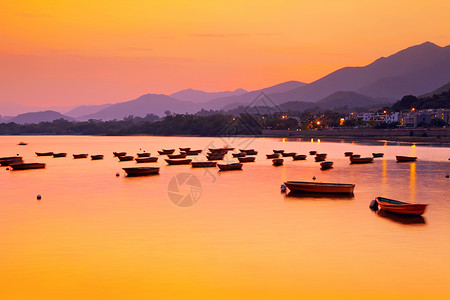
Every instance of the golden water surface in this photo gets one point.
(97, 236)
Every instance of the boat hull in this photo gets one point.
(204, 164)
(178, 161)
(405, 158)
(141, 171)
(316, 187)
(97, 157)
(80, 155)
(277, 161)
(402, 208)
(141, 160)
(44, 153)
(230, 167)
(27, 166)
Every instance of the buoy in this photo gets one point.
(117, 174)
(7, 168)
(446, 176)
(373, 205)
(314, 177)
(283, 188)
(38, 197)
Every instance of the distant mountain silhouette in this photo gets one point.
(41, 116)
(83, 110)
(350, 99)
(197, 96)
(444, 88)
(13, 109)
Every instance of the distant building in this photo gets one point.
(423, 117)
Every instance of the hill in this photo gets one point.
(197, 96)
(41, 116)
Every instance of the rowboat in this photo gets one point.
(228, 148)
(126, 158)
(277, 161)
(321, 154)
(288, 154)
(141, 171)
(117, 154)
(44, 153)
(140, 160)
(166, 151)
(274, 155)
(320, 158)
(246, 159)
(299, 157)
(230, 167)
(97, 157)
(172, 156)
(377, 154)
(84, 155)
(400, 207)
(143, 154)
(193, 152)
(203, 164)
(312, 152)
(185, 149)
(22, 144)
(59, 154)
(11, 160)
(405, 158)
(326, 165)
(348, 153)
(355, 155)
(27, 166)
(251, 152)
(240, 154)
(278, 151)
(361, 160)
(178, 161)
(319, 187)
(215, 157)
(216, 153)
(222, 150)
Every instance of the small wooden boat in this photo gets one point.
(59, 154)
(228, 148)
(166, 151)
(348, 153)
(251, 152)
(141, 171)
(185, 149)
(400, 207)
(215, 157)
(22, 144)
(240, 154)
(172, 156)
(355, 155)
(246, 159)
(117, 154)
(377, 154)
(10, 157)
(27, 166)
(193, 152)
(84, 155)
(321, 154)
(299, 157)
(125, 158)
(289, 154)
(141, 160)
(274, 155)
(97, 156)
(216, 153)
(312, 152)
(361, 160)
(11, 160)
(278, 151)
(319, 187)
(143, 154)
(277, 161)
(203, 164)
(230, 167)
(44, 153)
(320, 158)
(326, 165)
(405, 158)
(178, 161)
(222, 150)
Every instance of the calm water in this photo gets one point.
(97, 236)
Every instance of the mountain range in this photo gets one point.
(415, 70)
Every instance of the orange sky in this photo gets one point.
(93, 52)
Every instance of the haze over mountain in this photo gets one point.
(13, 109)
(83, 110)
(444, 88)
(41, 116)
(197, 96)
(349, 99)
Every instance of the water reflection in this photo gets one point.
(292, 195)
(412, 182)
(406, 220)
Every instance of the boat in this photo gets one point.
(377, 154)
(172, 156)
(117, 154)
(203, 164)
(399, 207)
(97, 156)
(361, 160)
(246, 159)
(355, 155)
(141, 171)
(84, 155)
(27, 166)
(215, 157)
(299, 157)
(273, 155)
(405, 158)
(125, 158)
(278, 151)
(185, 149)
(251, 152)
(228, 148)
(230, 167)
(326, 165)
(193, 152)
(22, 144)
(221, 150)
(288, 154)
(143, 154)
(348, 153)
(319, 158)
(178, 161)
(59, 154)
(312, 152)
(11, 160)
(10, 157)
(216, 153)
(166, 151)
(320, 187)
(277, 161)
(44, 153)
(140, 160)
(240, 154)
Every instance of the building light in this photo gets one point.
(318, 122)
(413, 109)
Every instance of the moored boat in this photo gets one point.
(166, 151)
(273, 155)
(178, 161)
(277, 161)
(215, 157)
(319, 187)
(378, 154)
(348, 153)
(5, 161)
(288, 154)
(299, 157)
(117, 154)
(320, 158)
(22, 144)
(44, 153)
(230, 167)
(59, 154)
(326, 165)
(140, 160)
(27, 166)
(185, 149)
(240, 154)
(246, 159)
(360, 160)
(203, 164)
(399, 207)
(278, 151)
(83, 155)
(143, 154)
(97, 156)
(193, 152)
(405, 158)
(312, 152)
(355, 155)
(125, 158)
(172, 156)
(141, 171)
